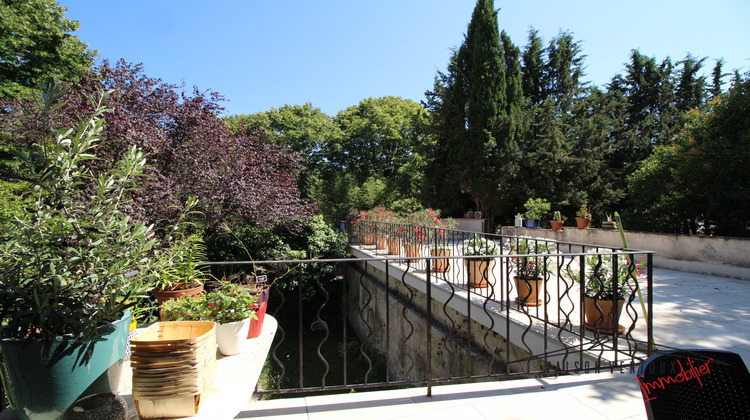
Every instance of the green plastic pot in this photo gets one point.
(38, 391)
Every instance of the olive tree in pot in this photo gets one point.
(70, 267)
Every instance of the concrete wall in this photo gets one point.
(718, 256)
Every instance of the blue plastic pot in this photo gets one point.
(36, 390)
(532, 223)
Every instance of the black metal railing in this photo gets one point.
(414, 311)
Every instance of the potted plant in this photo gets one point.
(535, 209)
(557, 221)
(363, 228)
(381, 221)
(583, 217)
(71, 265)
(531, 271)
(438, 242)
(414, 232)
(182, 269)
(478, 269)
(609, 224)
(602, 304)
(230, 306)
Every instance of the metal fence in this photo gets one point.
(397, 301)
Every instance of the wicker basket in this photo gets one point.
(174, 365)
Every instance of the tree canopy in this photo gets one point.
(37, 42)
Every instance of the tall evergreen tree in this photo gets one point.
(533, 69)
(691, 88)
(716, 76)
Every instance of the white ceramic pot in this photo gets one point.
(232, 336)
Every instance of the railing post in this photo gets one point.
(650, 317)
(429, 330)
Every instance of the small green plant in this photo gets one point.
(609, 217)
(584, 212)
(533, 267)
(479, 246)
(228, 303)
(599, 275)
(557, 217)
(536, 208)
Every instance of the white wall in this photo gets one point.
(719, 256)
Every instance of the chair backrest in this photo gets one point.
(695, 384)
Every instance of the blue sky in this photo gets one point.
(334, 53)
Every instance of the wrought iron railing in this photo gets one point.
(407, 308)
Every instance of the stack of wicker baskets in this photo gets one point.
(174, 364)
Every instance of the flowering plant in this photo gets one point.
(532, 267)
(479, 246)
(362, 225)
(600, 276)
(424, 225)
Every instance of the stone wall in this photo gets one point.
(461, 345)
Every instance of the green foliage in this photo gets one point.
(584, 212)
(537, 267)
(536, 208)
(37, 42)
(228, 303)
(181, 260)
(702, 175)
(600, 276)
(72, 261)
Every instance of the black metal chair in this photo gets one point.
(695, 384)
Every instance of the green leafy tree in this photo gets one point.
(37, 42)
(303, 128)
(702, 175)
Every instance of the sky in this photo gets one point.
(334, 53)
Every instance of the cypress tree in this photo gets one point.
(533, 69)
(716, 76)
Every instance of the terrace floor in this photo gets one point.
(690, 311)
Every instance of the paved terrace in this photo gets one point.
(690, 311)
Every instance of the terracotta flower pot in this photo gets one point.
(443, 264)
(556, 224)
(478, 271)
(394, 246)
(582, 222)
(603, 318)
(165, 295)
(413, 250)
(528, 291)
